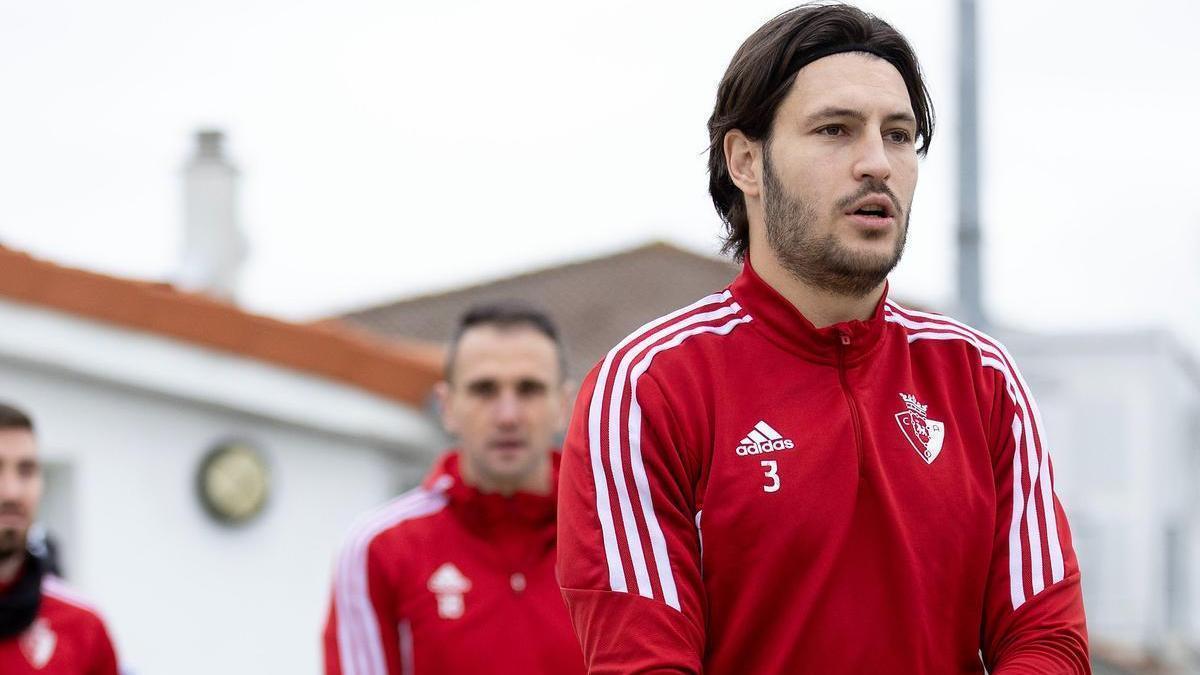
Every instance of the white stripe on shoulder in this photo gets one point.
(612, 549)
(58, 589)
(658, 543)
(615, 446)
(360, 645)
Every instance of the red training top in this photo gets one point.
(742, 492)
(67, 638)
(446, 579)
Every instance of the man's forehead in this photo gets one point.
(850, 81)
(17, 444)
(508, 351)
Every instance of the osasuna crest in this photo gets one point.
(924, 434)
(449, 585)
(38, 643)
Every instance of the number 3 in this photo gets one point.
(772, 468)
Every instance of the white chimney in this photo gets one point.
(213, 244)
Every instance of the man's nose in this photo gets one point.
(10, 485)
(507, 410)
(872, 160)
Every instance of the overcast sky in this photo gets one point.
(390, 148)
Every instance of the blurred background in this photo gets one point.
(234, 236)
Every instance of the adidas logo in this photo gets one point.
(762, 438)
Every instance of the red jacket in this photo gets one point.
(67, 638)
(744, 493)
(449, 580)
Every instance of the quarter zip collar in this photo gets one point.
(488, 512)
(847, 342)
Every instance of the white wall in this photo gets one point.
(183, 594)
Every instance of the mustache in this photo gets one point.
(872, 186)
(12, 509)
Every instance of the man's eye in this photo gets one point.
(531, 388)
(899, 136)
(832, 130)
(482, 389)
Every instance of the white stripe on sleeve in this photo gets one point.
(359, 641)
(612, 551)
(1032, 435)
(658, 543)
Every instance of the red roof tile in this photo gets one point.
(402, 370)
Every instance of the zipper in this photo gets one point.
(844, 340)
(518, 567)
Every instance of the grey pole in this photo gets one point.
(970, 291)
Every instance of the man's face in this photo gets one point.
(505, 403)
(20, 489)
(839, 172)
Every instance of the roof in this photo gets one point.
(595, 302)
(400, 370)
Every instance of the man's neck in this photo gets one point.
(538, 482)
(821, 307)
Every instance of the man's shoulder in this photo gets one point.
(946, 345)
(65, 606)
(677, 338)
(401, 518)
(941, 331)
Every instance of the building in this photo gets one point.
(133, 386)
(595, 302)
(1122, 413)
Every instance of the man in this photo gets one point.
(44, 627)
(798, 475)
(457, 576)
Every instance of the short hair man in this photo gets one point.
(44, 626)
(457, 576)
(798, 474)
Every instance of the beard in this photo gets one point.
(12, 543)
(821, 261)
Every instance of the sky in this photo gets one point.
(390, 149)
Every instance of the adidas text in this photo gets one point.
(765, 446)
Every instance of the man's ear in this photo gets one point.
(743, 157)
(445, 405)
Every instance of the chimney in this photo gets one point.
(214, 247)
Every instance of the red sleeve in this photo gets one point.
(361, 633)
(106, 655)
(628, 550)
(1034, 621)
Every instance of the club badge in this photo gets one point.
(38, 643)
(925, 435)
(449, 585)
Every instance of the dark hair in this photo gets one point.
(762, 72)
(506, 314)
(12, 417)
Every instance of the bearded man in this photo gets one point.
(798, 474)
(45, 627)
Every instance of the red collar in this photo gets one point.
(489, 510)
(781, 323)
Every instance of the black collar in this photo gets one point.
(19, 603)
